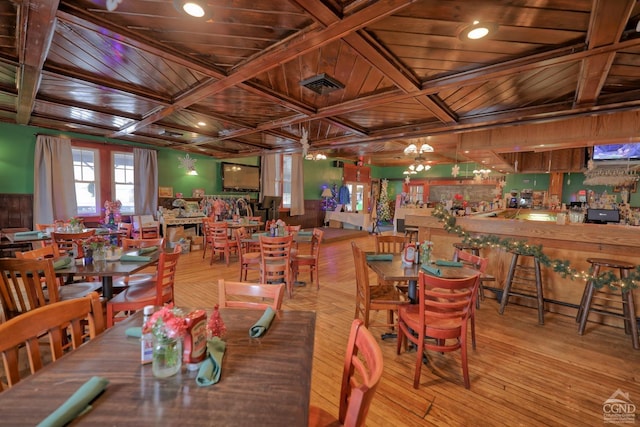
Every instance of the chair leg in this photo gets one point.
(463, 358)
(419, 356)
(473, 330)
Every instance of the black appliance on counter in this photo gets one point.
(603, 216)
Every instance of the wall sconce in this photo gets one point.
(188, 163)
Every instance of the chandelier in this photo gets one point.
(419, 163)
(316, 156)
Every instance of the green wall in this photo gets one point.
(17, 146)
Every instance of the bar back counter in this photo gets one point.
(571, 242)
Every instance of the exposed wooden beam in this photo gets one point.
(37, 21)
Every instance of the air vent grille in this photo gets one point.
(322, 84)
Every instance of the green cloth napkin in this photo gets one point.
(445, 263)
(380, 257)
(76, 404)
(61, 263)
(134, 258)
(35, 233)
(432, 270)
(211, 367)
(261, 326)
(134, 332)
(305, 233)
(147, 250)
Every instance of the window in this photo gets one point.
(286, 180)
(123, 181)
(85, 175)
(416, 193)
(283, 179)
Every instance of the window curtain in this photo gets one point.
(145, 166)
(54, 196)
(297, 185)
(269, 171)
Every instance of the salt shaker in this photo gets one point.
(146, 340)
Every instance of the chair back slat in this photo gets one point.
(249, 295)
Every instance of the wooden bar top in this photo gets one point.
(264, 381)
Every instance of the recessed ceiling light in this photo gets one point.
(202, 124)
(477, 30)
(195, 8)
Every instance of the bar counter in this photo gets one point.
(571, 242)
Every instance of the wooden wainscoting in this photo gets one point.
(16, 211)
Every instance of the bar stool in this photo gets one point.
(602, 297)
(522, 275)
(412, 233)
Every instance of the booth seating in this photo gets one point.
(606, 301)
(528, 283)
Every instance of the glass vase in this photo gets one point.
(167, 356)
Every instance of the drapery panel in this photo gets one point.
(297, 185)
(54, 196)
(268, 170)
(145, 166)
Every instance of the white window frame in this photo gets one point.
(82, 180)
(129, 174)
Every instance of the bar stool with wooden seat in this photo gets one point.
(528, 281)
(600, 300)
(411, 233)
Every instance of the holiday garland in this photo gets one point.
(562, 267)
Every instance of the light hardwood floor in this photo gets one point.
(521, 373)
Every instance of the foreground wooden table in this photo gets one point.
(264, 381)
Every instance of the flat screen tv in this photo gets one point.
(629, 151)
(237, 177)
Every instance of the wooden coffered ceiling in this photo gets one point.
(556, 74)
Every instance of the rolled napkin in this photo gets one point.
(61, 263)
(34, 233)
(134, 332)
(380, 257)
(76, 404)
(147, 250)
(445, 263)
(261, 326)
(211, 367)
(134, 258)
(432, 270)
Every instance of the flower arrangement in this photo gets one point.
(97, 242)
(179, 203)
(75, 221)
(168, 323)
(112, 207)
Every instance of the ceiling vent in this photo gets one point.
(170, 134)
(322, 84)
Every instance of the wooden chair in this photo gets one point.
(125, 230)
(361, 373)
(59, 320)
(479, 264)
(158, 292)
(65, 291)
(249, 253)
(139, 278)
(145, 227)
(308, 261)
(275, 261)
(71, 243)
(21, 285)
(392, 244)
(442, 314)
(221, 243)
(373, 298)
(249, 295)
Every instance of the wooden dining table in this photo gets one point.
(107, 270)
(264, 381)
(396, 270)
